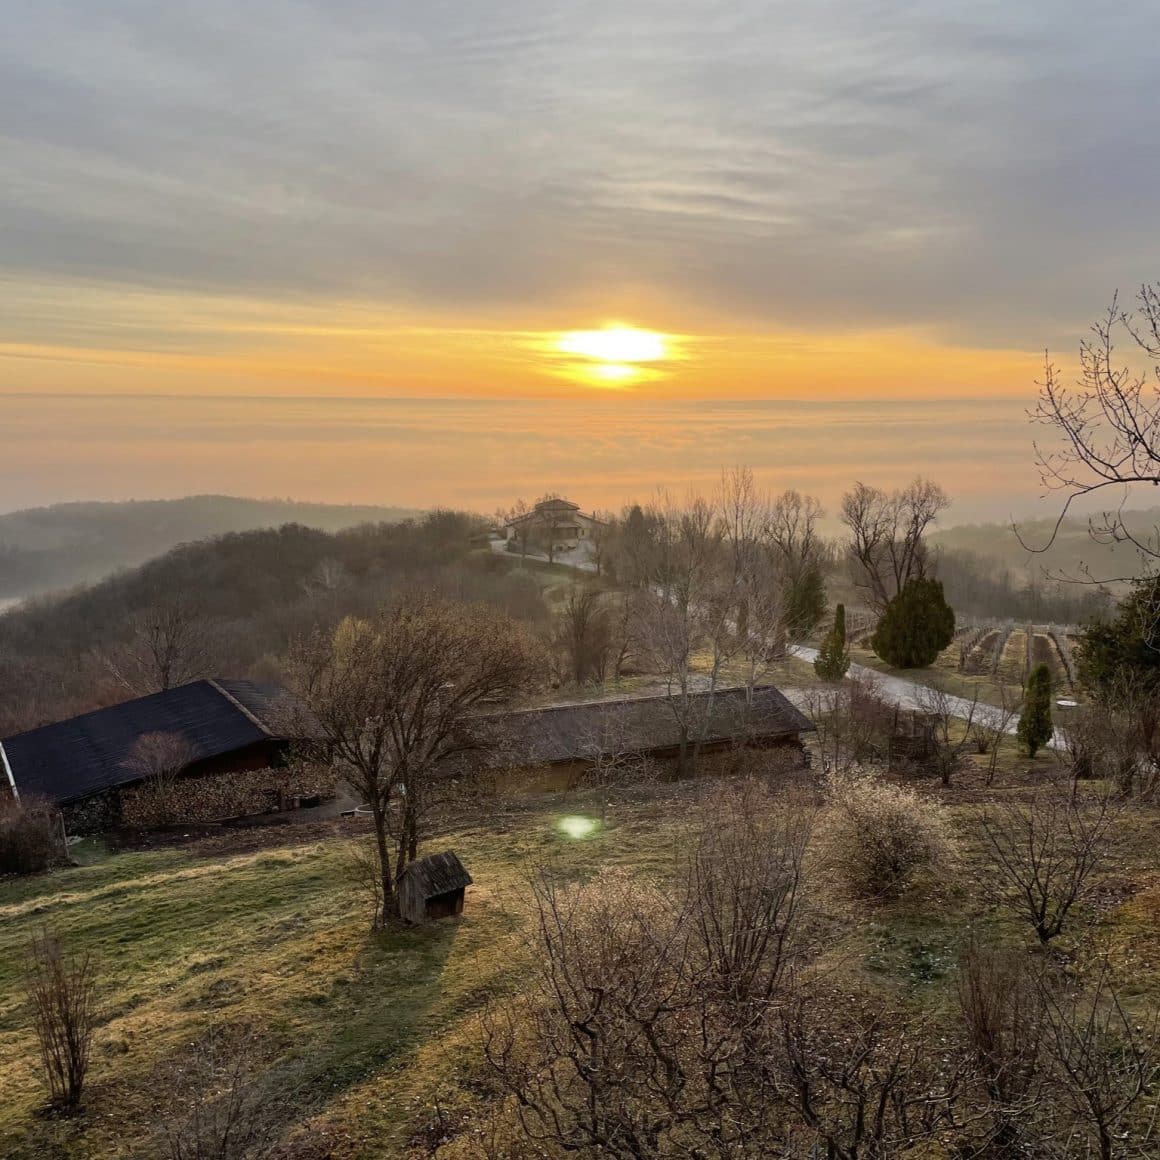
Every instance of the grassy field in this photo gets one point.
(372, 1040)
(361, 1028)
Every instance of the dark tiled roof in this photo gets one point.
(437, 874)
(82, 756)
(645, 724)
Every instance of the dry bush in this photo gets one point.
(876, 835)
(1002, 1011)
(1045, 854)
(30, 835)
(854, 724)
(222, 1114)
(1113, 738)
(360, 867)
(61, 990)
(650, 1014)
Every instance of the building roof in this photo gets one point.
(552, 509)
(434, 875)
(84, 755)
(641, 724)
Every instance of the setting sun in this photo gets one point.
(614, 356)
(615, 344)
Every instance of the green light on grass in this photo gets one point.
(575, 826)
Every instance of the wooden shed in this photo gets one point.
(432, 888)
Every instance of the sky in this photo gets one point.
(844, 199)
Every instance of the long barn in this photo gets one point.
(233, 736)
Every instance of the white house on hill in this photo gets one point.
(555, 525)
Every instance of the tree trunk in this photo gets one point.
(390, 907)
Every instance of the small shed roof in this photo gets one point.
(435, 875)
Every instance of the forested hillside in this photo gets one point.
(1073, 552)
(231, 606)
(48, 548)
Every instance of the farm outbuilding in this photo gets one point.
(232, 739)
(432, 888)
(563, 741)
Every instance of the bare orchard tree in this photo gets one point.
(395, 700)
(222, 1111)
(854, 724)
(991, 726)
(951, 729)
(862, 1079)
(158, 758)
(170, 643)
(1045, 854)
(888, 536)
(1104, 1069)
(1107, 425)
(610, 755)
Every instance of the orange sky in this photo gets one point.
(170, 343)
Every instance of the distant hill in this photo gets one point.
(48, 548)
(1072, 551)
(238, 600)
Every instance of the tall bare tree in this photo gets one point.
(168, 644)
(888, 535)
(1108, 423)
(395, 700)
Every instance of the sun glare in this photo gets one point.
(615, 356)
(614, 344)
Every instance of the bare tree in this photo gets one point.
(1045, 854)
(747, 891)
(600, 537)
(1108, 423)
(610, 756)
(61, 990)
(396, 700)
(687, 616)
(223, 1113)
(159, 758)
(862, 1079)
(888, 535)
(171, 643)
(951, 731)
(854, 724)
(650, 1022)
(583, 634)
(1002, 1010)
(990, 726)
(519, 516)
(1105, 1065)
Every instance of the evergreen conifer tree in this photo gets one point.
(916, 626)
(1035, 729)
(833, 657)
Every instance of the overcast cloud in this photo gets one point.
(987, 169)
